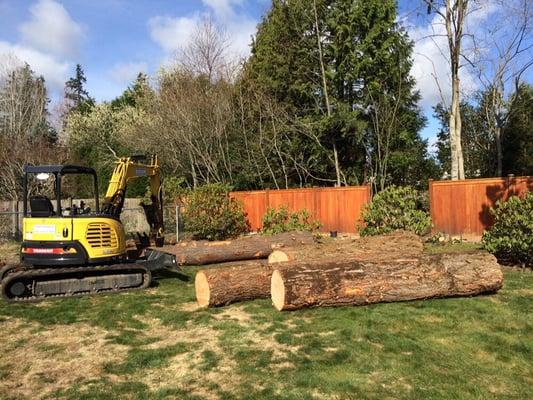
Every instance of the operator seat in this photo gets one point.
(41, 206)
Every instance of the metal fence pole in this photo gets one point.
(177, 223)
(14, 219)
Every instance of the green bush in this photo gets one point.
(211, 214)
(511, 236)
(395, 208)
(282, 220)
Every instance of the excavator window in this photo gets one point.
(41, 206)
(59, 190)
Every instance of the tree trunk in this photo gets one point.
(458, 140)
(455, 134)
(221, 286)
(348, 282)
(453, 21)
(499, 154)
(326, 94)
(399, 244)
(246, 248)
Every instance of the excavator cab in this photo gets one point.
(56, 229)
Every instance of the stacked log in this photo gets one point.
(343, 282)
(393, 245)
(240, 281)
(246, 248)
(382, 269)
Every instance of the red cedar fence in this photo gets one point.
(462, 207)
(337, 209)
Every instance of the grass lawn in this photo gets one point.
(156, 344)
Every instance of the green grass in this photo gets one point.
(457, 348)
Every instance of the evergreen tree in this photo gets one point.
(135, 93)
(518, 134)
(367, 60)
(75, 93)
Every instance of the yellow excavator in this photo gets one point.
(69, 250)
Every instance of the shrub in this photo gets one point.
(395, 208)
(511, 236)
(282, 220)
(211, 214)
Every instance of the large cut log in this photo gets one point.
(296, 285)
(221, 286)
(393, 245)
(246, 248)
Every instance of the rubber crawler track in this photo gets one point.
(57, 274)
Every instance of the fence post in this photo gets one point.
(431, 208)
(177, 223)
(510, 183)
(15, 219)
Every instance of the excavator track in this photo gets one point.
(33, 285)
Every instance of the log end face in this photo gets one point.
(277, 290)
(278, 256)
(201, 287)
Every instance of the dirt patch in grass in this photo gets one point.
(39, 361)
(523, 292)
(191, 369)
(190, 306)
(234, 313)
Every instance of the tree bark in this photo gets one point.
(326, 95)
(399, 244)
(349, 282)
(246, 248)
(499, 153)
(221, 286)
(453, 21)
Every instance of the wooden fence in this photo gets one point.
(337, 209)
(462, 207)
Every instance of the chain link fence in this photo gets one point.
(10, 225)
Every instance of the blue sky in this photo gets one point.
(116, 39)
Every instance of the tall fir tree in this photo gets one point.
(366, 60)
(75, 93)
(518, 133)
(135, 93)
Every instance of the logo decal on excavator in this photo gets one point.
(44, 229)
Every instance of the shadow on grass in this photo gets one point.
(172, 274)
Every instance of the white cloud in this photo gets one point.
(53, 70)
(223, 8)
(50, 38)
(125, 73)
(174, 33)
(430, 58)
(240, 33)
(51, 29)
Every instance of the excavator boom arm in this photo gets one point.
(126, 170)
